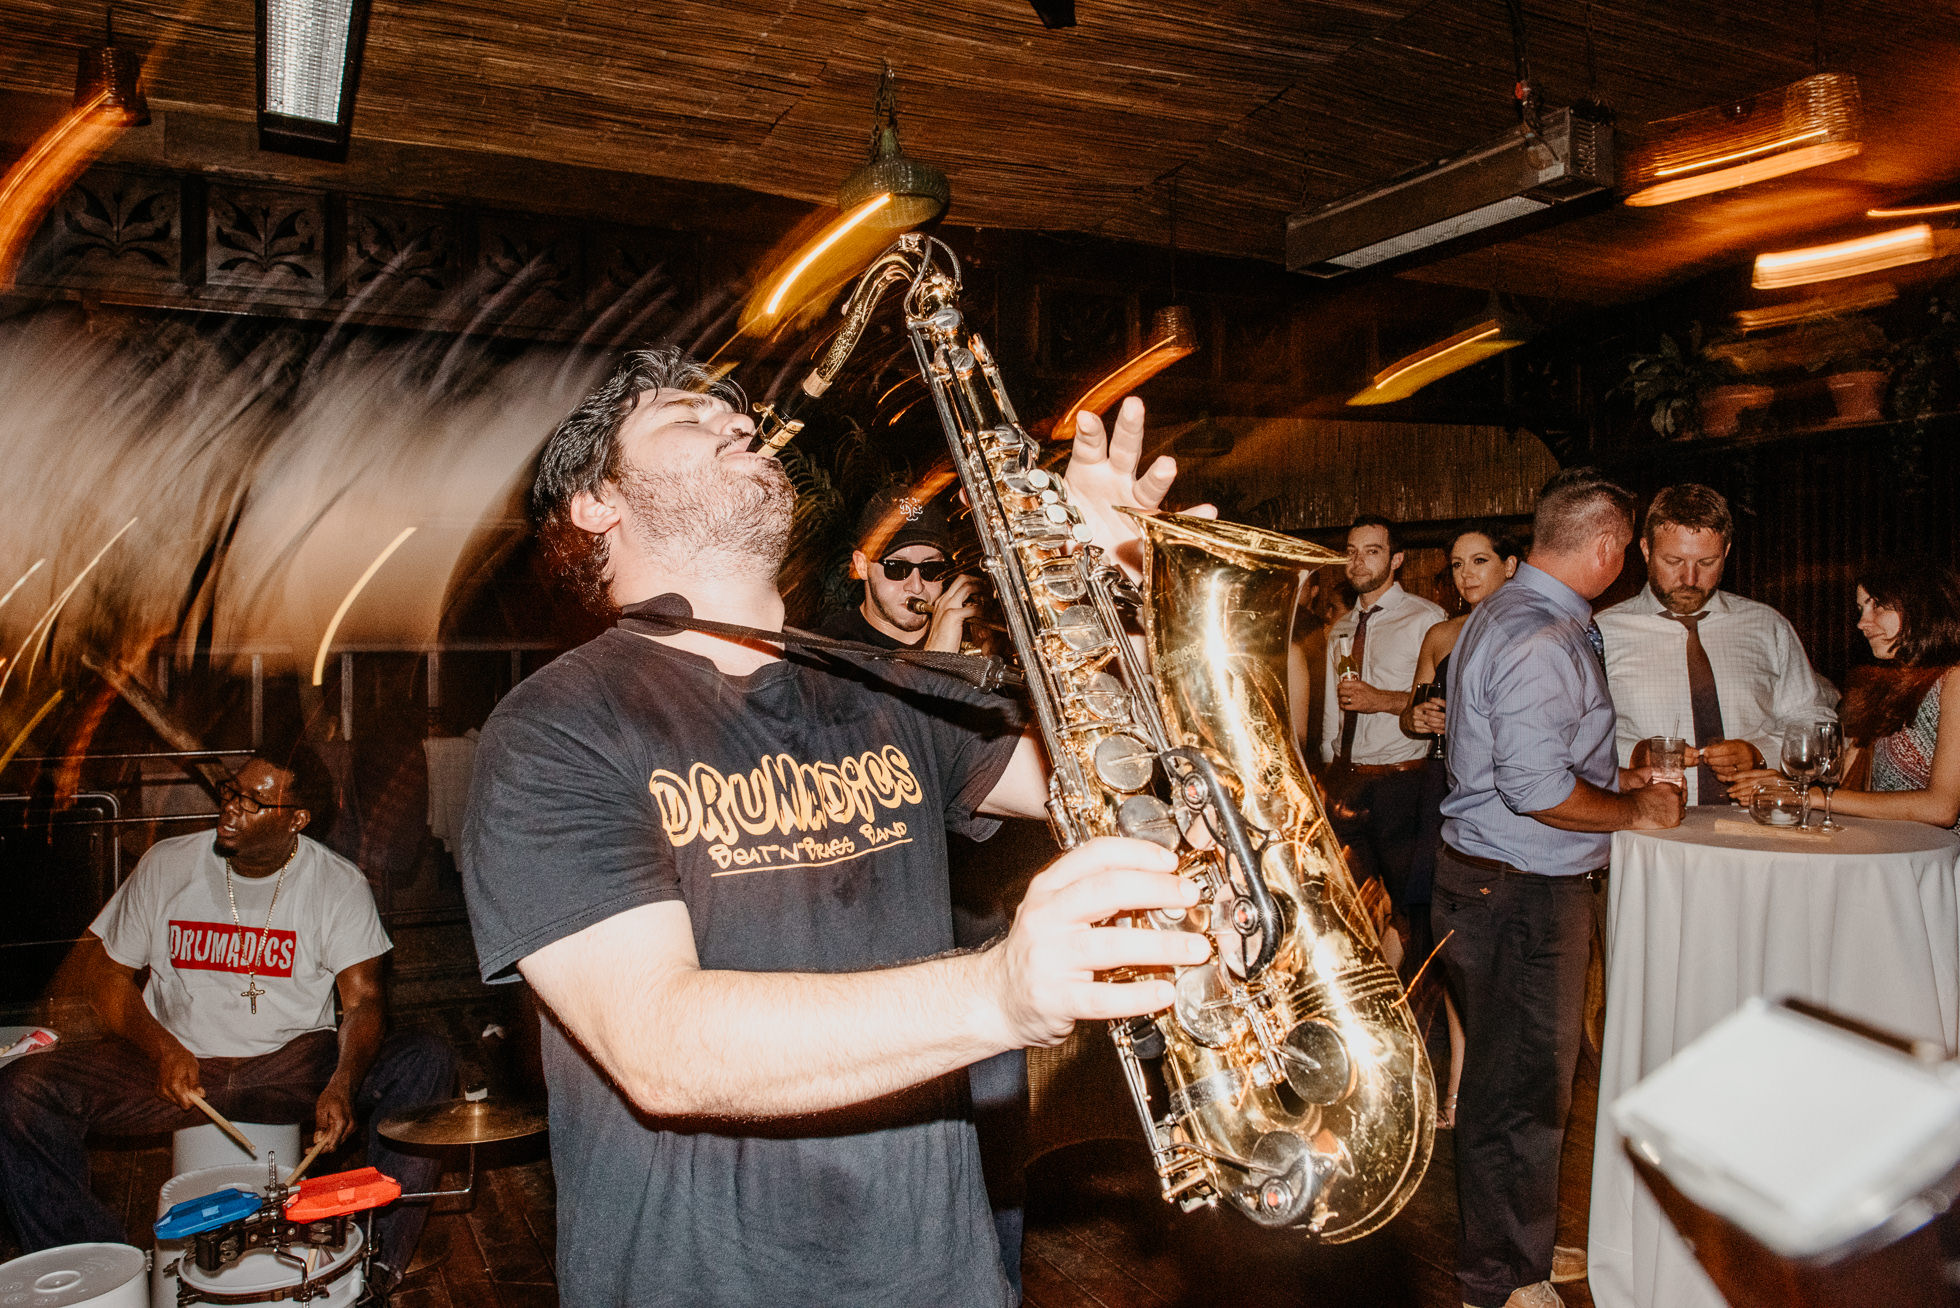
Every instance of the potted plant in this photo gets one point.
(1924, 367)
(1686, 391)
(1850, 351)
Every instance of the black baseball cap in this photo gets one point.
(895, 518)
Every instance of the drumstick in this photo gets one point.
(223, 1125)
(307, 1161)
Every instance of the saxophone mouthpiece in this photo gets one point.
(772, 431)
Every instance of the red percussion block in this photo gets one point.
(341, 1193)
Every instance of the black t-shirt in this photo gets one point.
(851, 624)
(801, 813)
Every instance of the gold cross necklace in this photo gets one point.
(251, 990)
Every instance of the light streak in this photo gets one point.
(1174, 338)
(46, 171)
(837, 231)
(1822, 263)
(1753, 150)
(347, 602)
(21, 737)
(22, 582)
(1914, 210)
(47, 619)
(1412, 372)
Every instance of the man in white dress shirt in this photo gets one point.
(1684, 658)
(1376, 767)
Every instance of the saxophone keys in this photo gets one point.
(1124, 763)
(1204, 1009)
(1146, 817)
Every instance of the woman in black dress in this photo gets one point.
(1481, 559)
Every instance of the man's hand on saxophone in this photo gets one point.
(1042, 974)
(1102, 478)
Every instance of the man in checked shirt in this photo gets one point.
(1685, 658)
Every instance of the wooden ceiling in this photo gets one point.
(1253, 110)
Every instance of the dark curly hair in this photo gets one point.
(583, 454)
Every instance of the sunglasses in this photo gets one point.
(900, 569)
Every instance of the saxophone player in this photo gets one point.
(722, 869)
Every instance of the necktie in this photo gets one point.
(1349, 719)
(1707, 706)
(1598, 642)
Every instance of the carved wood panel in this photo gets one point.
(528, 272)
(400, 257)
(265, 244)
(112, 228)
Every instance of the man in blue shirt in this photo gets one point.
(1535, 792)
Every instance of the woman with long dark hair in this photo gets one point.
(1909, 611)
(1481, 559)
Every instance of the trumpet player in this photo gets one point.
(912, 594)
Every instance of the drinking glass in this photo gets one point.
(1802, 756)
(1830, 770)
(1423, 692)
(1668, 757)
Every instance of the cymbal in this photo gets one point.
(463, 1122)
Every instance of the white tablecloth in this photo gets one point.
(1700, 920)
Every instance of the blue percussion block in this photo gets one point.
(207, 1213)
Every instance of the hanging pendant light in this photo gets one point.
(108, 77)
(1815, 120)
(919, 192)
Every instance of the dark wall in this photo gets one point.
(1813, 513)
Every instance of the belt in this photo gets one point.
(1497, 867)
(1385, 769)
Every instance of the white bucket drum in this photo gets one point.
(192, 1185)
(207, 1146)
(96, 1275)
(259, 1270)
(262, 1270)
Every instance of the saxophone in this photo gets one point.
(1293, 1082)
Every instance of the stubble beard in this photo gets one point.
(1683, 599)
(1366, 584)
(712, 522)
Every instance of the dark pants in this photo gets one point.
(50, 1102)
(1383, 831)
(1516, 964)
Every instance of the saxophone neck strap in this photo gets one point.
(663, 615)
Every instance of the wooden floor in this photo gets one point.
(1098, 1236)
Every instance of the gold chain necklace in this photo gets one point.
(251, 990)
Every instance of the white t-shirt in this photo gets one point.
(172, 916)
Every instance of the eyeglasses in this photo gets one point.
(900, 569)
(247, 804)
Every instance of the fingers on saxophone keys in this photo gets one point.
(1106, 1000)
(1104, 854)
(1102, 895)
(1105, 948)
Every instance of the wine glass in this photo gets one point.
(1802, 756)
(1423, 692)
(1830, 769)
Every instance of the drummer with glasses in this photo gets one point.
(913, 596)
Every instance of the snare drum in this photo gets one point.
(73, 1275)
